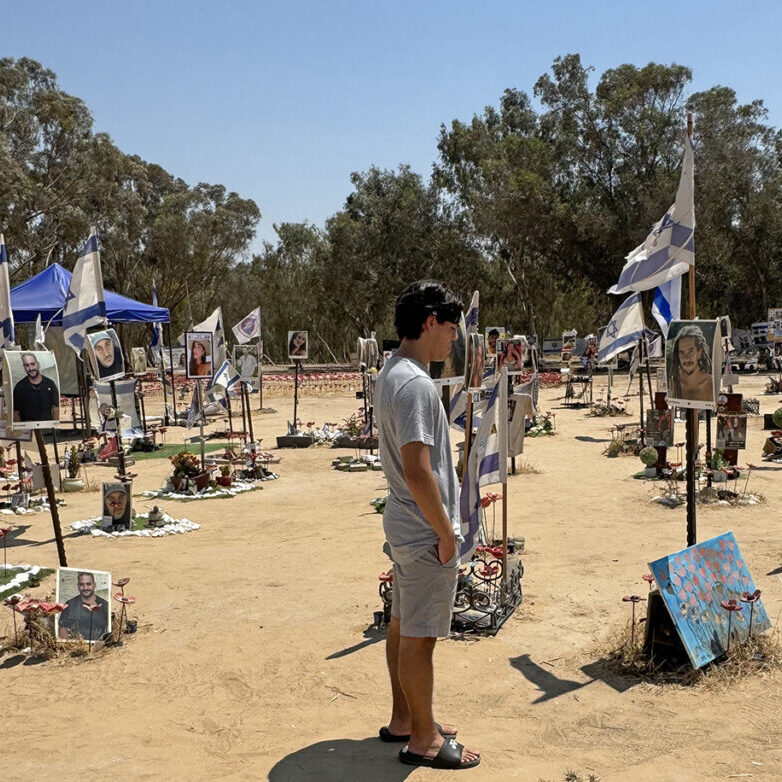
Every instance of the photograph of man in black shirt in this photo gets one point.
(36, 397)
(78, 617)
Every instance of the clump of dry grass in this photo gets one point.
(525, 468)
(575, 776)
(758, 655)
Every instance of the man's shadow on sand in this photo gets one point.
(343, 760)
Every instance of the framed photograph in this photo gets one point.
(492, 334)
(198, 347)
(693, 363)
(452, 370)
(163, 357)
(138, 360)
(298, 345)
(659, 428)
(476, 359)
(246, 361)
(511, 354)
(6, 431)
(568, 344)
(81, 591)
(732, 431)
(105, 354)
(116, 504)
(31, 382)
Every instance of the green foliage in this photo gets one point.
(777, 417)
(648, 456)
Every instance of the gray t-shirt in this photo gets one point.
(408, 409)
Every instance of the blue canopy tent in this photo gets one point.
(45, 294)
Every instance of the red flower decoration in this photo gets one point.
(748, 597)
(29, 605)
(5, 531)
(93, 608)
(648, 577)
(12, 601)
(122, 582)
(731, 605)
(126, 599)
(633, 599)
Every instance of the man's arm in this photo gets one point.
(417, 467)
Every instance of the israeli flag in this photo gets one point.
(667, 305)
(625, 328)
(669, 250)
(6, 314)
(225, 376)
(248, 327)
(155, 341)
(471, 318)
(457, 416)
(85, 304)
(487, 463)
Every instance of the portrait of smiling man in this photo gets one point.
(36, 397)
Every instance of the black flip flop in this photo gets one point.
(449, 756)
(386, 735)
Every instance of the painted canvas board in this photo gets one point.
(694, 582)
(81, 589)
(732, 431)
(693, 363)
(659, 428)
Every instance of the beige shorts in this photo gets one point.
(423, 595)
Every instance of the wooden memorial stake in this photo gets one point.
(201, 418)
(692, 416)
(641, 388)
(228, 408)
(244, 415)
(47, 478)
(142, 407)
(296, 363)
(166, 421)
(260, 371)
(504, 532)
(467, 433)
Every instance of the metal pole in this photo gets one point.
(504, 533)
(165, 393)
(641, 389)
(47, 478)
(228, 408)
(171, 362)
(201, 422)
(140, 394)
(260, 372)
(118, 433)
(244, 419)
(467, 433)
(692, 417)
(296, 395)
(249, 413)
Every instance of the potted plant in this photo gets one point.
(717, 464)
(224, 478)
(187, 468)
(72, 482)
(649, 457)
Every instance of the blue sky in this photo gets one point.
(280, 101)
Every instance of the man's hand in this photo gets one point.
(446, 548)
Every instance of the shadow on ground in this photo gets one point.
(342, 760)
(371, 635)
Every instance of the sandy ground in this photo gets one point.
(254, 659)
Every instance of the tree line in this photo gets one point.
(534, 202)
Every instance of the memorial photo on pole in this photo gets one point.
(511, 354)
(198, 347)
(298, 344)
(476, 359)
(86, 594)
(659, 428)
(116, 504)
(105, 354)
(138, 360)
(31, 382)
(693, 363)
(246, 361)
(732, 431)
(493, 333)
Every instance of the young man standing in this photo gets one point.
(421, 521)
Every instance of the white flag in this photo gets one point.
(487, 462)
(85, 305)
(6, 314)
(471, 318)
(213, 323)
(40, 334)
(669, 250)
(625, 328)
(248, 327)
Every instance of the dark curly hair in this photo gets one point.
(704, 362)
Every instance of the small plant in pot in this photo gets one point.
(717, 464)
(72, 464)
(649, 457)
(224, 478)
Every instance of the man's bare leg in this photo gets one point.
(416, 678)
(400, 724)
